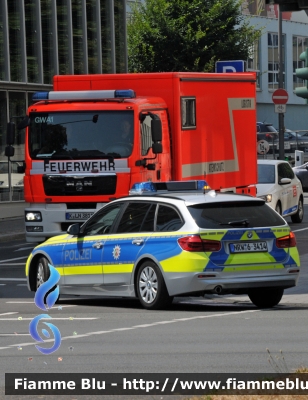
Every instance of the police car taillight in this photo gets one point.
(286, 241)
(195, 243)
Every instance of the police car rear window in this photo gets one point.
(250, 214)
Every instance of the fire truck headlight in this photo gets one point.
(33, 216)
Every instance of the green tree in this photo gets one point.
(187, 35)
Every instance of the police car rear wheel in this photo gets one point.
(265, 297)
(151, 287)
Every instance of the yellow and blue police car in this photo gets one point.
(172, 239)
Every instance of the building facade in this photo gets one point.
(265, 60)
(43, 38)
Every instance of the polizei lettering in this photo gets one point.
(79, 166)
(217, 167)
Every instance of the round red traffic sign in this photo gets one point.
(280, 96)
(262, 147)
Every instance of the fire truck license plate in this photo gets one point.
(83, 216)
(248, 247)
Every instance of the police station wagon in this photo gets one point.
(172, 239)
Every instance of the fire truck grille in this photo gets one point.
(79, 185)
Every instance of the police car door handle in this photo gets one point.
(97, 245)
(138, 242)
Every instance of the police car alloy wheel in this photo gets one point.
(265, 297)
(151, 288)
(42, 273)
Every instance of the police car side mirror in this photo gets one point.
(73, 229)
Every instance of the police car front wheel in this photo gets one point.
(151, 287)
(42, 275)
(42, 272)
(265, 297)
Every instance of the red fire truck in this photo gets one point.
(91, 138)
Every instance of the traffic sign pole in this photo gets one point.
(280, 98)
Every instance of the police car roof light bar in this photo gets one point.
(85, 95)
(142, 188)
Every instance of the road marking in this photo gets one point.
(32, 302)
(8, 313)
(131, 327)
(299, 230)
(13, 259)
(24, 248)
(22, 284)
(14, 334)
(8, 264)
(13, 279)
(54, 318)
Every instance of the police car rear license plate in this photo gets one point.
(248, 247)
(83, 216)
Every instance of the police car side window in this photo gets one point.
(168, 219)
(102, 221)
(133, 217)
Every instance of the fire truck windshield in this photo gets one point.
(79, 135)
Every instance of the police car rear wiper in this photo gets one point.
(240, 222)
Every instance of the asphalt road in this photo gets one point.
(213, 334)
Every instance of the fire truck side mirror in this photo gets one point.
(24, 123)
(9, 151)
(157, 148)
(21, 168)
(156, 129)
(10, 133)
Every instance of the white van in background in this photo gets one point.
(17, 178)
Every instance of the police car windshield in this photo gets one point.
(78, 135)
(218, 215)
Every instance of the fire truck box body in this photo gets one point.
(208, 132)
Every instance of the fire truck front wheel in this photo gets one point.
(42, 275)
